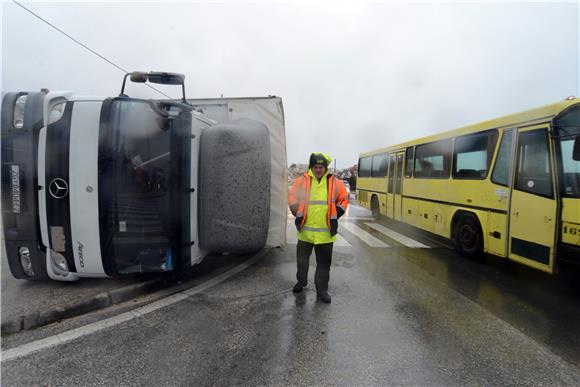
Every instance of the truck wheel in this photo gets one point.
(468, 236)
(375, 209)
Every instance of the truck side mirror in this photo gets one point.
(163, 78)
(135, 76)
(138, 77)
(166, 78)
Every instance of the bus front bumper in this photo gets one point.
(569, 253)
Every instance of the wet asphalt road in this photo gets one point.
(398, 316)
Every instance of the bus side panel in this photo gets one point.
(571, 221)
(426, 215)
(440, 219)
(410, 211)
(382, 203)
(495, 238)
(363, 197)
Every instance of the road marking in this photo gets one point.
(65, 337)
(365, 236)
(398, 237)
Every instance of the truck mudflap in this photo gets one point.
(22, 119)
(234, 195)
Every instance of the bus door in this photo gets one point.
(533, 208)
(398, 200)
(391, 185)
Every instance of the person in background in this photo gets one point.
(317, 199)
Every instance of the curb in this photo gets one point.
(99, 301)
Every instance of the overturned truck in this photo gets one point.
(97, 187)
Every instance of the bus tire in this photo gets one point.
(468, 236)
(375, 209)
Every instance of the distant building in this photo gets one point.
(295, 170)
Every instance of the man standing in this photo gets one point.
(317, 199)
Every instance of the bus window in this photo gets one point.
(409, 162)
(391, 173)
(364, 167)
(533, 173)
(500, 173)
(472, 156)
(433, 160)
(571, 169)
(567, 129)
(379, 166)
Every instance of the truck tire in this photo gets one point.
(234, 186)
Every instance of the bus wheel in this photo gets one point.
(375, 209)
(468, 236)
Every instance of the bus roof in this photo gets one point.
(528, 117)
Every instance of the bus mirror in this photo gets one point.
(576, 149)
(138, 77)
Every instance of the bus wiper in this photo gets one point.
(137, 163)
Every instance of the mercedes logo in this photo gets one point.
(58, 188)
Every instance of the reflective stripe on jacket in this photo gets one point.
(299, 201)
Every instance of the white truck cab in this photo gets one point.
(97, 187)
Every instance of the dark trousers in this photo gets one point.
(323, 261)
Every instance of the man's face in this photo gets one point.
(318, 170)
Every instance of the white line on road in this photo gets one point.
(396, 236)
(65, 337)
(365, 236)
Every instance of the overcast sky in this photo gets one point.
(353, 76)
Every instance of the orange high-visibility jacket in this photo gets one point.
(299, 197)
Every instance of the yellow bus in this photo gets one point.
(508, 186)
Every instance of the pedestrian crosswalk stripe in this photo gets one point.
(363, 235)
(366, 237)
(409, 242)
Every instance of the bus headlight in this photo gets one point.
(59, 260)
(25, 262)
(18, 118)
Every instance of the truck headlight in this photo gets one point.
(59, 260)
(56, 112)
(18, 118)
(25, 262)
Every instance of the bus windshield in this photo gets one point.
(138, 187)
(567, 131)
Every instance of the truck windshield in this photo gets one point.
(139, 179)
(568, 130)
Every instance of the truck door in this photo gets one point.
(398, 200)
(533, 209)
